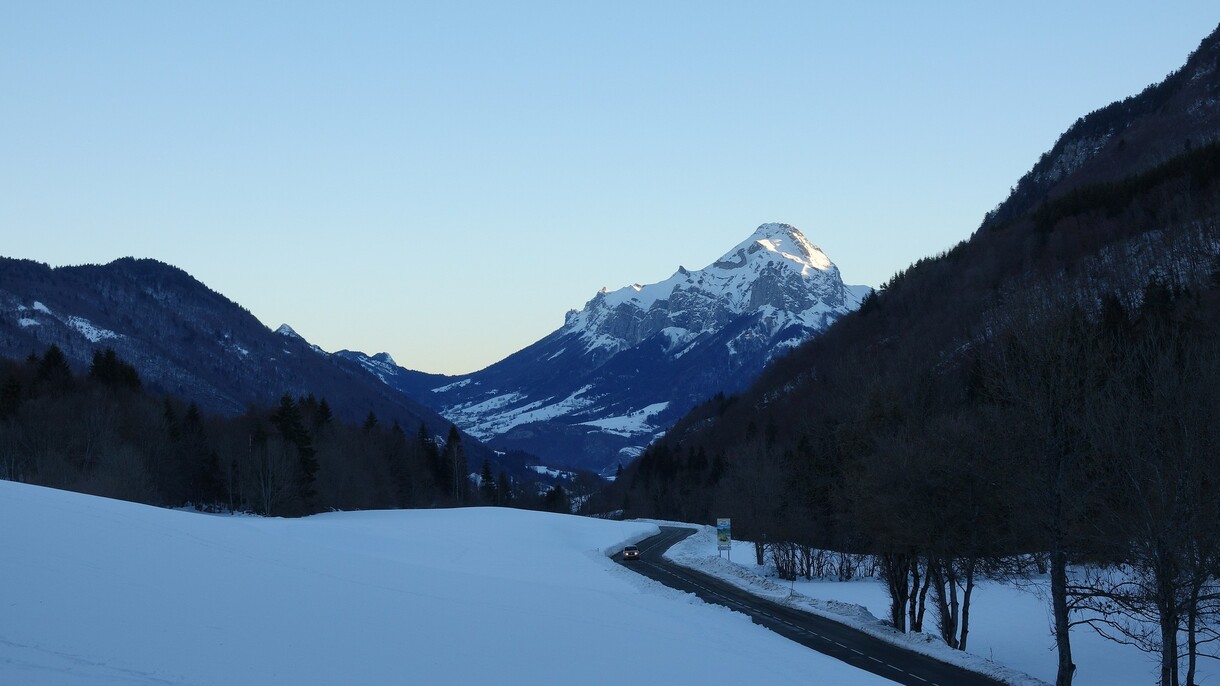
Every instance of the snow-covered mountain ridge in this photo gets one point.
(622, 369)
(776, 272)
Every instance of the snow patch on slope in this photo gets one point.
(630, 424)
(552, 472)
(449, 387)
(96, 334)
(497, 414)
(679, 340)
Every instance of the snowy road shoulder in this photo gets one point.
(1010, 637)
(698, 552)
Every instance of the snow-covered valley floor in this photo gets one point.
(96, 591)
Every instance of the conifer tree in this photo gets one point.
(170, 417)
(112, 372)
(287, 419)
(233, 485)
(323, 416)
(193, 419)
(504, 490)
(10, 398)
(456, 455)
(397, 455)
(53, 365)
(207, 482)
(487, 484)
(556, 500)
(53, 371)
(441, 474)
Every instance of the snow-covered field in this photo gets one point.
(1010, 627)
(96, 591)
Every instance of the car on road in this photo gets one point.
(631, 553)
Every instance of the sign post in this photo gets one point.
(724, 536)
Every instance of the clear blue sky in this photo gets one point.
(443, 181)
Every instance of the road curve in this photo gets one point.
(823, 635)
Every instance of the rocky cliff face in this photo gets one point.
(621, 369)
(776, 273)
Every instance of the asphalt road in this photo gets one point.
(823, 635)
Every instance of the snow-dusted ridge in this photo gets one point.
(380, 365)
(776, 271)
(288, 332)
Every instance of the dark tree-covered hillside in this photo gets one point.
(103, 433)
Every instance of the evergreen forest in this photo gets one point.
(103, 433)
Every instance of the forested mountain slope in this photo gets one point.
(1045, 391)
(183, 338)
(1126, 137)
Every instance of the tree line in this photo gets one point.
(103, 433)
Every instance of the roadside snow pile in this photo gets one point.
(99, 591)
(1010, 631)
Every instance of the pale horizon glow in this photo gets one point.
(443, 182)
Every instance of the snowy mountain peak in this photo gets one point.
(286, 330)
(781, 244)
(385, 358)
(775, 272)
